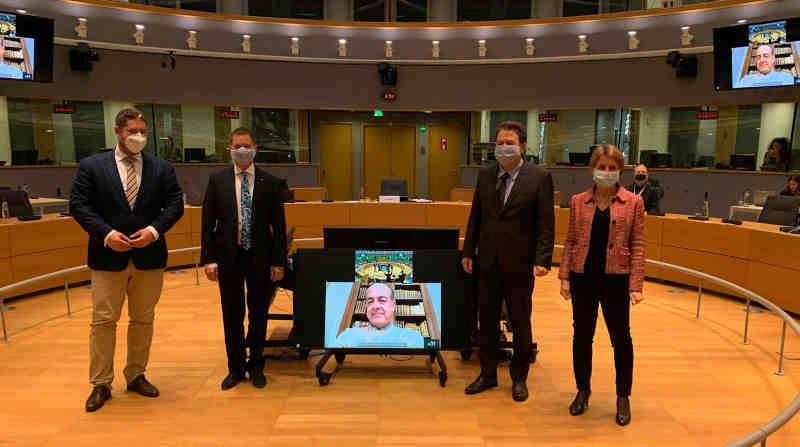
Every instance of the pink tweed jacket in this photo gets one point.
(625, 251)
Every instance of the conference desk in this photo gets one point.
(753, 255)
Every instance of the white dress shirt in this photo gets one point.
(251, 175)
(512, 178)
(122, 168)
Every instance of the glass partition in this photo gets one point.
(58, 132)
(696, 137)
(61, 132)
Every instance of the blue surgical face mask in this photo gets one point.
(505, 154)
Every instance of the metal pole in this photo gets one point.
(779, 372)
(196, 272)
(3, 317)
(699, 295)
(66, 295)
(746, 322)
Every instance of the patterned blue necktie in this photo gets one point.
(247, 213)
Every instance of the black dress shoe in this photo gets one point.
(519, 391)
(480, 385)
(143, 387)
(623, 411)
(258, 378)
(100, 394)
(230, 381)
(580, 404)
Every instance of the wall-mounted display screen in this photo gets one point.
(757, 55)
(26, 48)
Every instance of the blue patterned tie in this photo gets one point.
(247, 213)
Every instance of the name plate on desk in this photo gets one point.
(389, 199)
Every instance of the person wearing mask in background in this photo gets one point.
(511, 230)
(603, 263)
(648, 189)
(792, 187)
(244, 243)
(126, 200)
(777, 155)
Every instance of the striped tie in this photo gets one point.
(131, 181)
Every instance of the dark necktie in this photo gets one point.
(247, 213)
(501, 192)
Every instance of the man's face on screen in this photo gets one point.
(380, 306)
(765, 60)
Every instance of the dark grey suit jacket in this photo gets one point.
(521, 234)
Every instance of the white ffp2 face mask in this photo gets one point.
(505, 154)
(605, 179)
(135, 143)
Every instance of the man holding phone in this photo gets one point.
(126, 200)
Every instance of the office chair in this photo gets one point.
(18, 203)
(780, 210)
(394, 187)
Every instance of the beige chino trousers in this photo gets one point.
(143, 289)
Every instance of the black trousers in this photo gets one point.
(589, 291)
(516, 289)
(232, 280)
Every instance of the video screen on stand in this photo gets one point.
(383, 308)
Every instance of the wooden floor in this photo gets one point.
(695, 384)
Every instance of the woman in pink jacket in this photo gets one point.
(603, 263)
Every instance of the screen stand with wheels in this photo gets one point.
(324, 378)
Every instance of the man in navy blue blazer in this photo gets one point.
(126, 200)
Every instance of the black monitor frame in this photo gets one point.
(579, 158)
(376, 238)
(743, 162)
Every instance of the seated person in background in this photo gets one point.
(767, 75)
(648, 188)
(776, 156)
(381, 332)
(792, 187)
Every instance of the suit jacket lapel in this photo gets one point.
(257, 188)
(493, 188)
(521, 177)
(230, 191)
(110, 167)
(148, 176)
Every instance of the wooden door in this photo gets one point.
(389, 152)
(404, 160)
(377, 158)
(336, 160)
(443, 163)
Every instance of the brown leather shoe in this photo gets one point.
(100, 394)
(143, 387)
(480, 385)
(519, 391)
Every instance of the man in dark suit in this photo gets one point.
(244, 241)
(648, 188)
(126, 200)
(511, 232)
